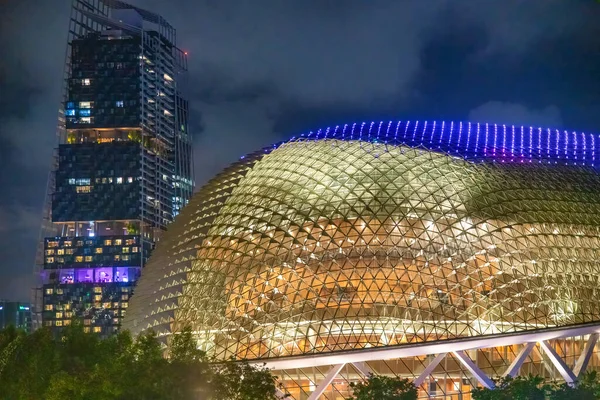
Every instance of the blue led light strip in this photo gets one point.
(472, 141)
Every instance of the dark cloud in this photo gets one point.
(262, 72)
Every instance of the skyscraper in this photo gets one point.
(15, 314)
(123, 165)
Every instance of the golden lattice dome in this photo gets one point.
(329, 243)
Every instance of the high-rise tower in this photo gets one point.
(123, 165)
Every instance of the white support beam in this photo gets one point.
(515, 366)
(481, 377)
(586, 354)
(412, 350)
(326, 382)
(558, 362)
(363, 368)
(429, 369)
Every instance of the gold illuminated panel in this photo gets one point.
(330, 245)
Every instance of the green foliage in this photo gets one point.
(81, 366)
(241, 381)
(378, 387)
(533, 388)
(519, 388)
(134, 136)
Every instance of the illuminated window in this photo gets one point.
(49, 252)
(88, 258)
(118, 242)
(70, 112)
(70, 251)
(119, 180)
(49, 291)
(125, 258)
(67, 322)
(59, 323)
(125, 250)
(68, 243)
(79, 259)
(52, 244)
(130, 180)
(86, 330)
(59, 315)
(97, 329)
(60, 252)
(85, 104)
(97, 298)
(97, 289)
(59, 291)
(134, 249)
(48, 307)
(85, 120)
(84, 189)
(119, 103)
(108, 242)
(85, 82)
(49, 260)
(117, 257)
(98, 250)
(86, 112)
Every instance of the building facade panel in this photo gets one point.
(114, 185)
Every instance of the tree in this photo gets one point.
(379, 387)
(520, 388)
(242, 381)
(80, 366)
(587, 388)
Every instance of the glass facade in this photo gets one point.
(345, 242)
(123, 151)
(15, 314)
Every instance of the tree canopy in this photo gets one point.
(81, 366)
(379, 387)
(535, 388)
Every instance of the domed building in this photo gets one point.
(449, 253)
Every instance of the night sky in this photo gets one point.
(262, 71)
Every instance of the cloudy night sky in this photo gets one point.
(262, 71)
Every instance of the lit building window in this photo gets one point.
(98, 250)
(85, 82)
(49, 291)
(86, 112)
(119, 180)
(70, 112)
(85, 104)
(130, 180)
(85, 120)
(84, 189)
(120, 103)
